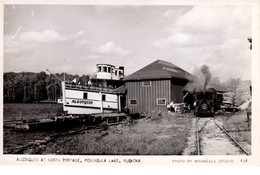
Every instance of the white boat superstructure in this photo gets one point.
(88, 99)
(109, 72)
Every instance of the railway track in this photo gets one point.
(198, 131)
(216, 136)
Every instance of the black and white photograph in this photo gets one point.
(128, 80)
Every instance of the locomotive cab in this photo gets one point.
(204, 104)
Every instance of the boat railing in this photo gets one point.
(85, 87)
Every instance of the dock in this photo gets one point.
(66, 121)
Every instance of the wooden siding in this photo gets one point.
(176, 93)
(147, 96)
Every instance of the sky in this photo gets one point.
(40, 37)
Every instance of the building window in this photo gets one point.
(146, 83)
(85, 95)
(161, 101)
(103, 97)
(133, 102)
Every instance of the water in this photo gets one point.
(12, 112)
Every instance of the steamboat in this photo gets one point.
(104, 93)
(102, 99)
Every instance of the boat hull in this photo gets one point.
(89, 100)
(86, 110)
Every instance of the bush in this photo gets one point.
(103, 126)
(156, 116)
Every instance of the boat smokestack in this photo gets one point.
(123, 71)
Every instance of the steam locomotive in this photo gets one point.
(207, 103)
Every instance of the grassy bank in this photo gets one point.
(239, 128)
(158, 133)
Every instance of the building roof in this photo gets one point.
(159, 69)
(120, 90)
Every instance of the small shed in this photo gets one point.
(155, 86)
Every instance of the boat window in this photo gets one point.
(104, 69)
(99, 68)
(85, 95)
(103, 97)
(109, 69)
(115, 72)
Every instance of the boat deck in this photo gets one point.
(92, 88)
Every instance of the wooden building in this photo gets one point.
(155, 86)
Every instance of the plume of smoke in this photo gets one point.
(200, 80)
(195, 84)
(205, 71)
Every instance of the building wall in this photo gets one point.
(176, 93)
(147, 96)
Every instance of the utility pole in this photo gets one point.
(64, 78)
(62, 86)
(54, 75)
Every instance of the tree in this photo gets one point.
(232, 84)
(30, 87)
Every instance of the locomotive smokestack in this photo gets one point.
(205, 71)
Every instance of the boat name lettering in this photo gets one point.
(82, 101)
